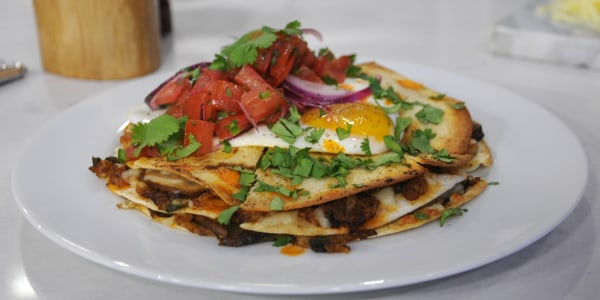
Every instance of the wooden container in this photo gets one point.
(99, 39)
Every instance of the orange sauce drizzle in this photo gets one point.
(291, 250)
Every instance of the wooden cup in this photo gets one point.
(99, 39)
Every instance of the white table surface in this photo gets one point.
(451, 35)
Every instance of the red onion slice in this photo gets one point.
(313, 32)
(308, 93)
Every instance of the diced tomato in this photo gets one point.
(170, 92)
(206, 79)
(226, 96)
(191, 105)
(263, 60)
(283, 60)
(231, 126)
(330, 67)
(209, 112)
(249, 78)
(307, 74)
(203, 131)
(260, 103)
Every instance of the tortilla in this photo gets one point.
(453, 133)
(215, 170)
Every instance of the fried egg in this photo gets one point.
(345, 127)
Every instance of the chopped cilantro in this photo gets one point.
(438, 97)
(315, 135)
(226, 146)
(365, 147)
(421, 140)
(343, 133)
(443, 156)
(245, 50)
(401, 125)
(157, 131)
(225, 215)
(421, 215)
(276, 204)
(493, 183)
(460, 105)
(182, 152)
(265, 187)
(430, 114)
(233, 127)
(392, 144)
(281, 241)
(450, 212)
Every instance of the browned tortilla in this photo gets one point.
(314, 191)
(452, 134)
(214, 170)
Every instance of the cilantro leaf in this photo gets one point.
(343, 133)
(156, 131)
(365, 147)
(225, 216)
(401, 125)
(182, 152)
(315, 135)
(421, 215)
(421, 140)
(457, 106)
(276, 204)
(443, 156)
(430, 114)
(281, 241)
(450, 212)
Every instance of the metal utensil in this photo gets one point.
(11, 71)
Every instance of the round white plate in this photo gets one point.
(533, 151)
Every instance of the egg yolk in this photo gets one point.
(366, 119)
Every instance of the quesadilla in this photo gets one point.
(293, 144)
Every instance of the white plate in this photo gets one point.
(69, 205)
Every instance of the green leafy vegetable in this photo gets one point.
(156, 131)
(421, 140)
(365, 147)
(315, 135)
(343, 133)
(281, 241)
(430, 114)
(182, 152)
(421, 215)
(276, 204)
(225, 216)
(450, 212)
(460, 105)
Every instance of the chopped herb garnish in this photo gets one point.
(421, 140)
(430, 114)
(443, 156)
(343, 133)
(182, 152)
(365, 146)
(493, 183)
(245, 50)
(225, 215)
(281, 241)
(421, 215)
(460, 105)
(392, 144)
(438, 97)
(401, 124)
(233, 127)
(450, 212)
(157, 131)
(121, 155)
(276, 204)
(264, 94)
(315, 135)
(264, 187)
(226, 146)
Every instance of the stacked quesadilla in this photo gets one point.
(296, 147)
